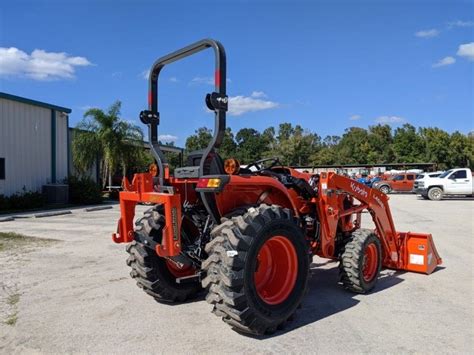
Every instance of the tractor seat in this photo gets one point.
(213, 166)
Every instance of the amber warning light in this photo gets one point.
(231, 166)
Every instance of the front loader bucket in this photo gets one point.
(418, 252)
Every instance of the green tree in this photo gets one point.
(460, 150)
(199, 140)
(408, 146)
(354, 147)
(296, 147)
(250, 145)
(380, 140)
(117, 142)
(436, 146)
(228, 148)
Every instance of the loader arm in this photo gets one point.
(403, 251)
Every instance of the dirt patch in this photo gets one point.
(13, 242)
(13, 248)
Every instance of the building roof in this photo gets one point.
(4, 95)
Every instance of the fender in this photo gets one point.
(244, 190)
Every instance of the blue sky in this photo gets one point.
(326, 65)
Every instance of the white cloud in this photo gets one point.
(204, 80)
(258, 94)
(460, 23)
(198, 80)
(466, 50)
(39, 65)
(86, 107)
(166, 138)
(427, 33)
(354, 117)
(145, 74)
(390, 120)
(174, 79)
(238, 105)
(443, 62)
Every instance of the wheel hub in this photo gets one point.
(369, 263)
(276, 270)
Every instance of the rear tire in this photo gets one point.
(154, 274)
(385, 189)
(361, 261)
(257, 269)
(435, 194)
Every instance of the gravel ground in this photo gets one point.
(76, 296)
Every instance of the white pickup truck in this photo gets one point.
(451, 182)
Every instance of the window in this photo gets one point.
(410, 177)
(446, 173)
(460, 174)
(2, 168)
(398, 178)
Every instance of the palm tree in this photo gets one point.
(105, 135)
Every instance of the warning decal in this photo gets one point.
(417, 259)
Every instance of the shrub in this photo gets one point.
(83, 190)
(4, 203)
(22, 201)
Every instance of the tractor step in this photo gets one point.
(189, 279)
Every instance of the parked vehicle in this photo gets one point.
(374, 180)
(423, 177)
(246, 237)
(451, 182)
(398, 183)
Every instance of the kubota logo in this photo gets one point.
(359, 190)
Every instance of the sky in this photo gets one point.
(326, 65)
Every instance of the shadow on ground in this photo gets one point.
(326, 297)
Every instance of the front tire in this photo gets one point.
(257, 269)
(154, 274)
(361, 261)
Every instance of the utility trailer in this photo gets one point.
(246, 236)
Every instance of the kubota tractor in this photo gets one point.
(247, 235)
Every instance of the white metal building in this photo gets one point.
(34, 144)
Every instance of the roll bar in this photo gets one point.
(216, 101)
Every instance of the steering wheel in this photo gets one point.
(256, 164)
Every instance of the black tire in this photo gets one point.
(351, 266)
(232, 263)
(385, 189)
(150, 270)
(435, 194)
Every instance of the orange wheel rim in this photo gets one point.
(276, 270)
(180, 272)
(370, 263)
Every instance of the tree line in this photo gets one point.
(379, 144)
(119, 145)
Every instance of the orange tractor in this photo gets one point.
(247, 235)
